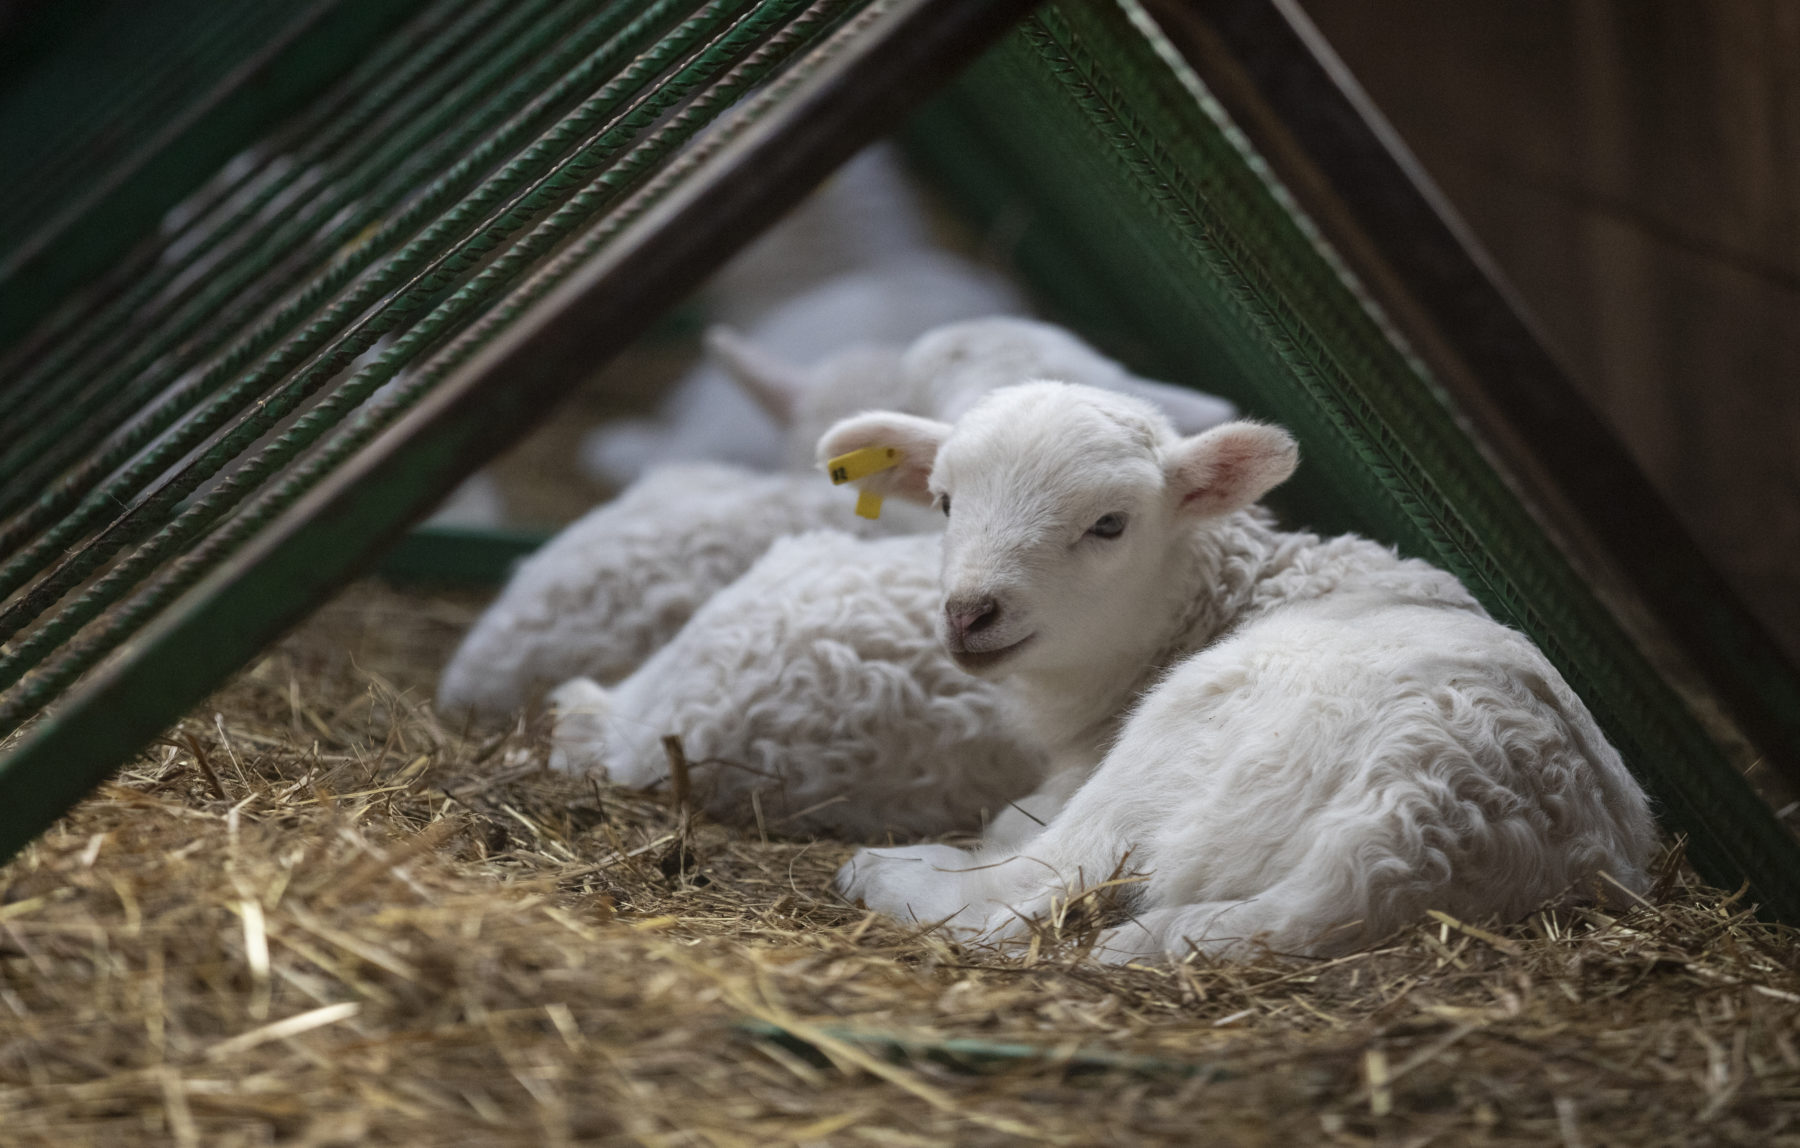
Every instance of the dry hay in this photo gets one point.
(317, 916)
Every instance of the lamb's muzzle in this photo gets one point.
(975, 635)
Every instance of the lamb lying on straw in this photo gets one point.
(1278, 738)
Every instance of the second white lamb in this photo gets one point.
(812, 696)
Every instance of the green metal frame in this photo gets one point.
(457, 555)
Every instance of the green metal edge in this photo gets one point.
(1147, 217)
(96, 232)
(459, 555)
(219, 626)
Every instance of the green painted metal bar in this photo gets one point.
(180, 334)
(1142, 194)
(102, 78)
(94, 232)
(145, 94)
(168, 319)
(153, 46)
(635, 264)
(217, 46)
(330, 342)
(455, 555)
(616, 172)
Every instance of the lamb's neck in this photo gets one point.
(1226, 573)
(1213, 580)
(1218, 577)
(1067, 715)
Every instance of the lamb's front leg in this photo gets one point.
(972, 895)
(987, 895)
(1025, 819)
(924, 883)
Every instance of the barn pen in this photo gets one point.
(294, 273)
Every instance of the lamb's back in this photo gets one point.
(817, 681)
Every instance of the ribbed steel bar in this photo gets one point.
(756, 46)
(404, 71)
(550, 191)
(208, 47)
(282, 571)
(208, 324)
(177, 330)
(413, 96)
(74, 505)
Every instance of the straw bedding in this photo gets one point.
(318, 915)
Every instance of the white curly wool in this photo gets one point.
(814, 690)
(615, 585)
(1296, 741)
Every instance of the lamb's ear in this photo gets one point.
(1230, 467)
(917, 439)
(775, 384)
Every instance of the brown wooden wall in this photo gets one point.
(1634, 168)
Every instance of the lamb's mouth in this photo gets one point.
(973, 660)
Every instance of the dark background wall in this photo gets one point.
(1634, 168)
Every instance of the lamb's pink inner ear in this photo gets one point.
(1228, 468)
(917, 439)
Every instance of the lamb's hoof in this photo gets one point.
(914, 882)
(578, 733)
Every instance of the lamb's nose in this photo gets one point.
(971, 615)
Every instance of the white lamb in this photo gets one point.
(1296, 741)
(813, 696)
(616, 584)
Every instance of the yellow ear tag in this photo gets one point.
(861, 464)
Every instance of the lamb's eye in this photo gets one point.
(945, 503)
(1109, 526)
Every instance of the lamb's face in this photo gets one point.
(1069, 510)
(1059, 522)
